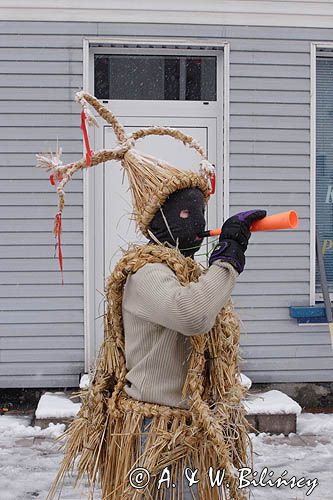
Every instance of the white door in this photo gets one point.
(114, 228)
(141, 92)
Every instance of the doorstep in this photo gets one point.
(272, 412)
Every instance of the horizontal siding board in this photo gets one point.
(35, 94)
(36, 212)
(46, 199)
(286, 261)
(26, 80)
(267, 186)
(262, 173)
(40, 68)
(38, 251)
(37, 41)
(273, 275)
(292, 35)
(269, 96)
(260, 147)
(265, 83)
(19, 159)
(29, 225)
(36, 186)
(38, 291)
(26, 146)
(46, 107)
(41, 356)
(290, 364)
(38, 381)
(46, 264)
(38, 54)
(284, 339)
(41, 329)
(41, 304)
(264, 250)
(42, 369)
(271, 135)
(302, 212)
(263, 313)
(285, 58)
(278, 237)
(17, 239)
(42, 277)
(45, 28)
(289, 375)
(257, 120)
(39, 343)
(251, 45)
(276, 199)
(267, 301)
(41, 134)
(272, 289)
(281, 326)
(39, 119)
(74, 316)
(269, 109)
(288, 351)
(271, 160)
(270, 70)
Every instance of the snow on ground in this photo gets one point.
(29, 460)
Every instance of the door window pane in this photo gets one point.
(324, 165)
(151, 77)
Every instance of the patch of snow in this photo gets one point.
(56, 405)
(7, 421)
(271, 402)
(18, 427)
(85, 381)
(315, 423)
(245, 381)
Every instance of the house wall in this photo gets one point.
(41, 322)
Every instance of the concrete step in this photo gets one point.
(272, 412)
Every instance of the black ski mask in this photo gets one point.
(179, 221)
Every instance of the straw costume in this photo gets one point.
(211, 430)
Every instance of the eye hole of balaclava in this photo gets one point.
(180, 220)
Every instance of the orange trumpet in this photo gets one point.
(283, 220)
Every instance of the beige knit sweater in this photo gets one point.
(159, 316)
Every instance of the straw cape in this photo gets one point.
(103, 441)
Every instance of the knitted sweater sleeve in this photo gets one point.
(154, 294)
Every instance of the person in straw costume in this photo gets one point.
(165, 394)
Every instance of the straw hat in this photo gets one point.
(151, 181)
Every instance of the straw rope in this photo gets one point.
(105, 436)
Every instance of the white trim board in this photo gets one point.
(295, 13)
(89, 46)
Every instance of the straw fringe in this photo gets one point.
(105, 436)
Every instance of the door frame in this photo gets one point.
(91, 45)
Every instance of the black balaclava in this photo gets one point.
(179, 221)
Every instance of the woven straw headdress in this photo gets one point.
(151, 181)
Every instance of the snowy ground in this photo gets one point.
(29, 460)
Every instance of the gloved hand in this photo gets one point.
(235, 237)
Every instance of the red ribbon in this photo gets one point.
(89, 152)
(58, 177)
(57, 232)
(213, 183)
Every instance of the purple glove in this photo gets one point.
(235, 237)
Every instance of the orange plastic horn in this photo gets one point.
(283, 220)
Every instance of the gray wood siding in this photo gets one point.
(41, 323)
